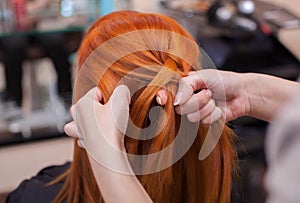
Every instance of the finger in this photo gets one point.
(213, 117)
(87, 102)
(161, 97)
(94, 93)
(187, 86)
(121, 94)
(119, 106)
(202, 113)
(192, 72)
(72, 111)
(99, 95)
(80, 143)
(208, 109)
(71, 130)
(196, 102)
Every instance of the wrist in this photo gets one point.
(248, 91)
(244, 90)
(267, 94)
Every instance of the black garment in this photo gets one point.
(35, 190)
(14, 48)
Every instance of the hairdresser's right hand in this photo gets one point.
(101, 129)
(96, 124)
(226, 88)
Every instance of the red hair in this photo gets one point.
(189, 179)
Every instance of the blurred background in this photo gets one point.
(41, 37)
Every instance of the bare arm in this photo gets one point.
(117, 187)
(267, 94)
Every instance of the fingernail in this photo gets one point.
(66, 129)
(98, 92)
(208, 92)
(178, 98)
(158, 99)
(80, 143)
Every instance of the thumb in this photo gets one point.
(92, 95)
(119, 105)
(120, 96)
(187, 86)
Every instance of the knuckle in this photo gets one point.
(202, 99)
(205, 123)
(178, 110)
(186, 83)
(184, 80)
(72, 109)
(212, 103)
(193, 117)
(206, 111)
(190, 118)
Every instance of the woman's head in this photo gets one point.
(151, 51)
(124, 44)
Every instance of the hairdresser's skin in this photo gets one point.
(128, 188)
(256, 95)
(251, 94)
(160, 58)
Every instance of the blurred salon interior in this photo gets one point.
(38, 44)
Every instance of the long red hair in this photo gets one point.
(189, 179)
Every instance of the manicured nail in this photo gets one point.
(178, 98)
(80, 143)
(158, 99)
(98, 92)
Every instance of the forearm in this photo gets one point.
(117, 187)
(267, 94)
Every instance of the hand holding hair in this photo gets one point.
(221, 86)
(91, 116)
(157, 48)
(202, 101)
(252, 94)
(92, 120)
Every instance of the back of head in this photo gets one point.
(148, 52)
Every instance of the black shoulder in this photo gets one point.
(36, 189)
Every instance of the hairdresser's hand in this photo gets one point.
(99, 127)
(94, 121)
(227, 98)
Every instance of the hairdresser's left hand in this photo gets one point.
(94, 121)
